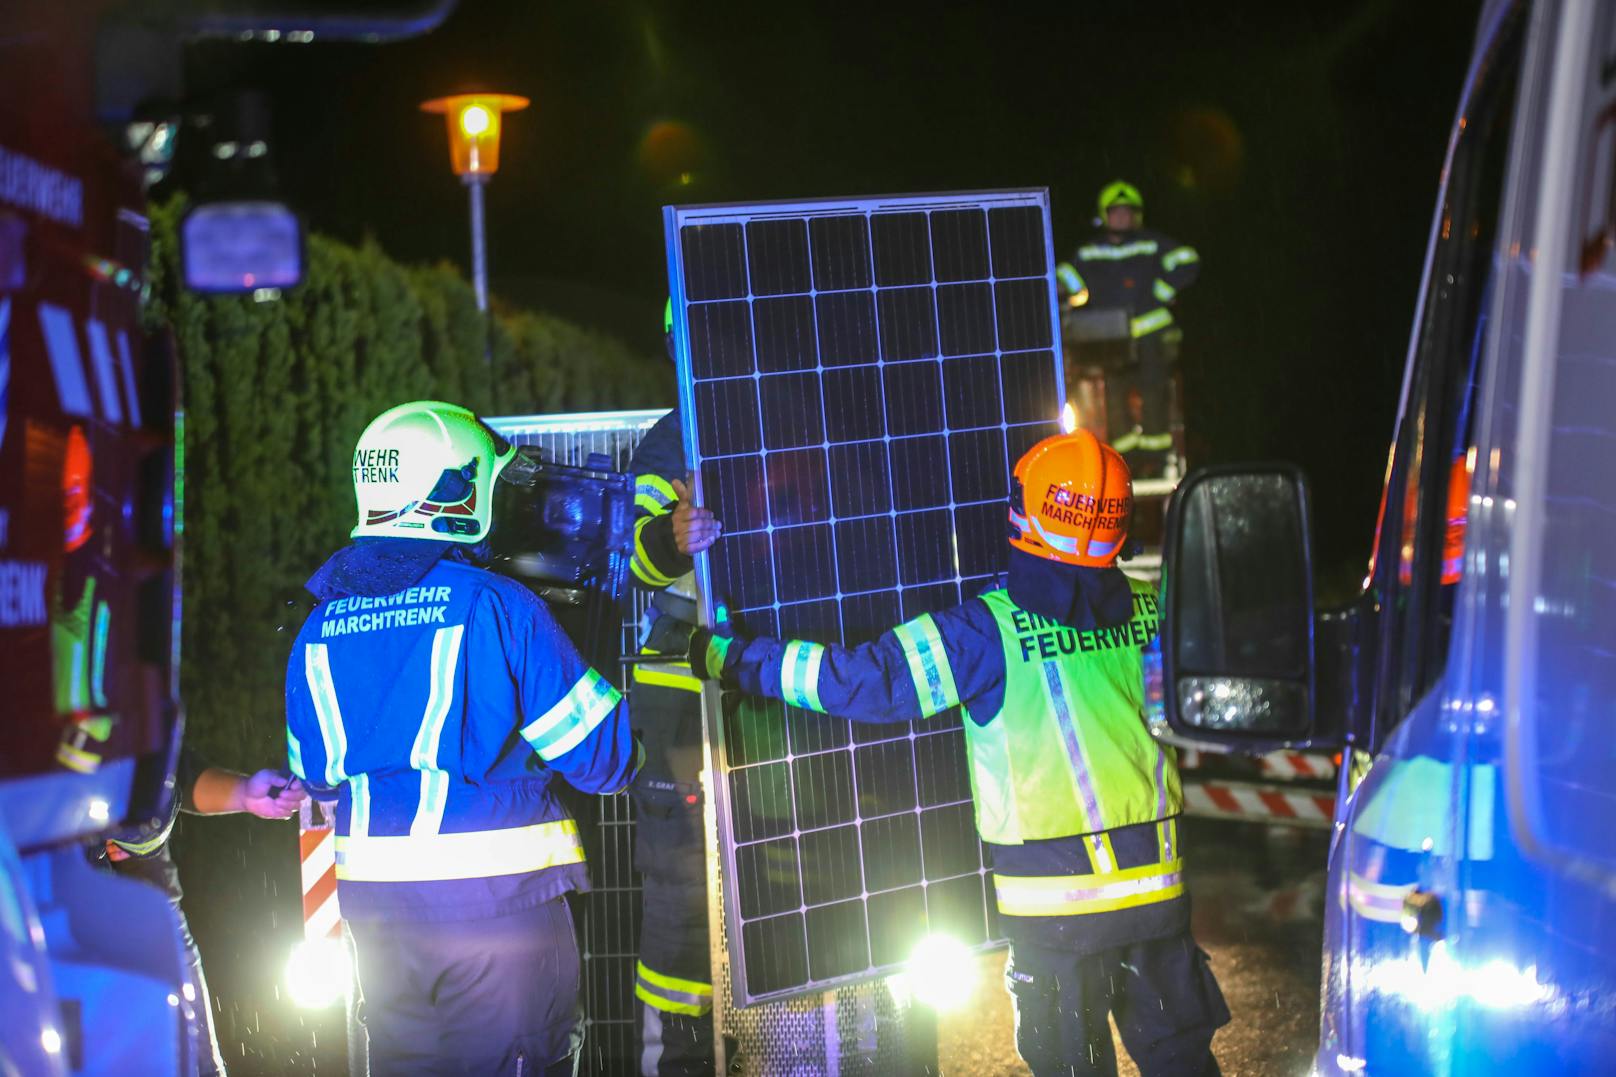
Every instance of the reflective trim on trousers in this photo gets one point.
(1081, 895)
(671, 994)
(478, 854)
(1151, 321)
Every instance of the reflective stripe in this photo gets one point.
(671, 994)
(1080, 895)
(799, 674)
(655, 491)
(1150, 322)
(668, 676)
(424, 753)
(317, 670)
(641, 562)
(564, 726)
(1116, 252)
(1127, 442)
(1179, 256)
(1103, 857)
(1155, 442)
(1087, 800)
(1163, 291)
(294, 755)
(928, 665)
(476, 855)
(1069, 278)
(359, 806)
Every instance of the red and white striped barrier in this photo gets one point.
(1297, 765)
(1259, 803)
(317, 846)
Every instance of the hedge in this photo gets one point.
(275, 395)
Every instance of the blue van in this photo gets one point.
(1471, 907)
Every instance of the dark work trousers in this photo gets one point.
(1149, 373)
(674, 954)
(1165, 1000)
(159, 870)
(473, 997)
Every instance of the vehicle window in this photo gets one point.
(1421, 537)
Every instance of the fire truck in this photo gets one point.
(93, 975)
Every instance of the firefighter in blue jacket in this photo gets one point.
(1077, 803)
(443, 700)
(1135, 269)
(673, 977)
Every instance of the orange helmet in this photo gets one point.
(1072, 501)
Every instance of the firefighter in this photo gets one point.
(1129, 267)
(141, 852)
(444, 700)
(1078, 804)
(673, 977)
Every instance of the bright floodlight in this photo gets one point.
(1068, 418)
(318, 973)
(941, 973)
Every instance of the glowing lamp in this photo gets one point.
(941, 973)
(474, 124)
(319, 973)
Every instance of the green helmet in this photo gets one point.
(1120, 193)
(426, 470)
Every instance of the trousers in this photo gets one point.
(1165, 1000)
(473, 997)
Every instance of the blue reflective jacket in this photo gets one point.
(442, 713)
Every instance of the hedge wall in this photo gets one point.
(275, 396)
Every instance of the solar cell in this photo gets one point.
(857, 379)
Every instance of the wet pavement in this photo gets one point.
(1257, 895)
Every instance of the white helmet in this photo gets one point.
(426, 470)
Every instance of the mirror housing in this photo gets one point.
(1237, 638)
(241, 247)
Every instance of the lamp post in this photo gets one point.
(474, 128)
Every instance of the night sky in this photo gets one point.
(1297, 146)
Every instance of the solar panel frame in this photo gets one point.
(853, 360)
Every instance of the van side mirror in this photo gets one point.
(237, 247)
(1237, 639)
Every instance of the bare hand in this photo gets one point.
(694, 529)
(273, 794)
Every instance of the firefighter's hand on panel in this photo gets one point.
(694, 528)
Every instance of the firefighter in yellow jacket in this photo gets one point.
(1077, 803)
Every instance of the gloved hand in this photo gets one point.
(709, 647)
(662, 632)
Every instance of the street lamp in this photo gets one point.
(474, 123)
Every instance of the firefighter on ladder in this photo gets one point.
(1128, 267)
(673, 977)
(1077, 803)
(444, 700)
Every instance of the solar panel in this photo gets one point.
(857, 378)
